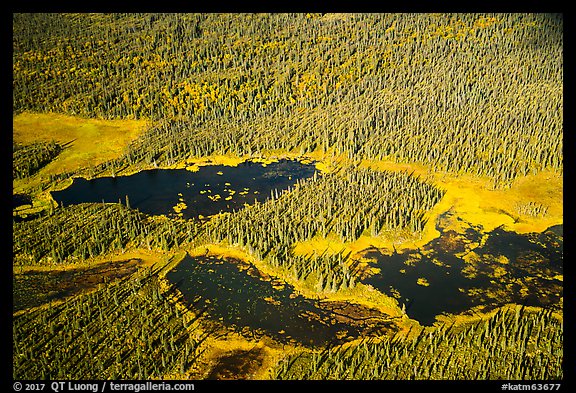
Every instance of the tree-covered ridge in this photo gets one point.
(29, 159)
(460, 92)
(346, 204)
(79, 232)
(518, 345)
(124, 330)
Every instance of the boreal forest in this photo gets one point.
(287, 196)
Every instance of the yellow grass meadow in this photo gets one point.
(87, 142)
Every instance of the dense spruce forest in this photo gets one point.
(346, 205)
(28, 159)
(490, 349)
(459, 92)
(465, 96)
(83, 231)
(150, 337)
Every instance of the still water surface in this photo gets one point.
(213, 189)
(456, 272)
(235, 293)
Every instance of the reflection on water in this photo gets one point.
(209, 191)
(238, 295)
(456, 271)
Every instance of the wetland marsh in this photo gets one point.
(287, 196)
(239, 295)
(459, 271)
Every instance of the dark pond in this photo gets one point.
(21, 200)
(211, 190)
(473, 269)
(235, 293)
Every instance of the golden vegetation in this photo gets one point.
(425, 88)
(461, 113)
(487, 349)
(87, 142)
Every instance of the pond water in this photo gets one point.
(237, 294)
(21, 200)
(456, 272)
(451, 274)
(213, 189)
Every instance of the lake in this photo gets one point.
(450, 274)
(179, 192)
(458, 271)
(241, 297)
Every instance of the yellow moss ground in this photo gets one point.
(472, 199)
(217, 348)
(467, 197)
(194, 164)
(147, 259)
(213, 348)
(89, 142)
(470, 318)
